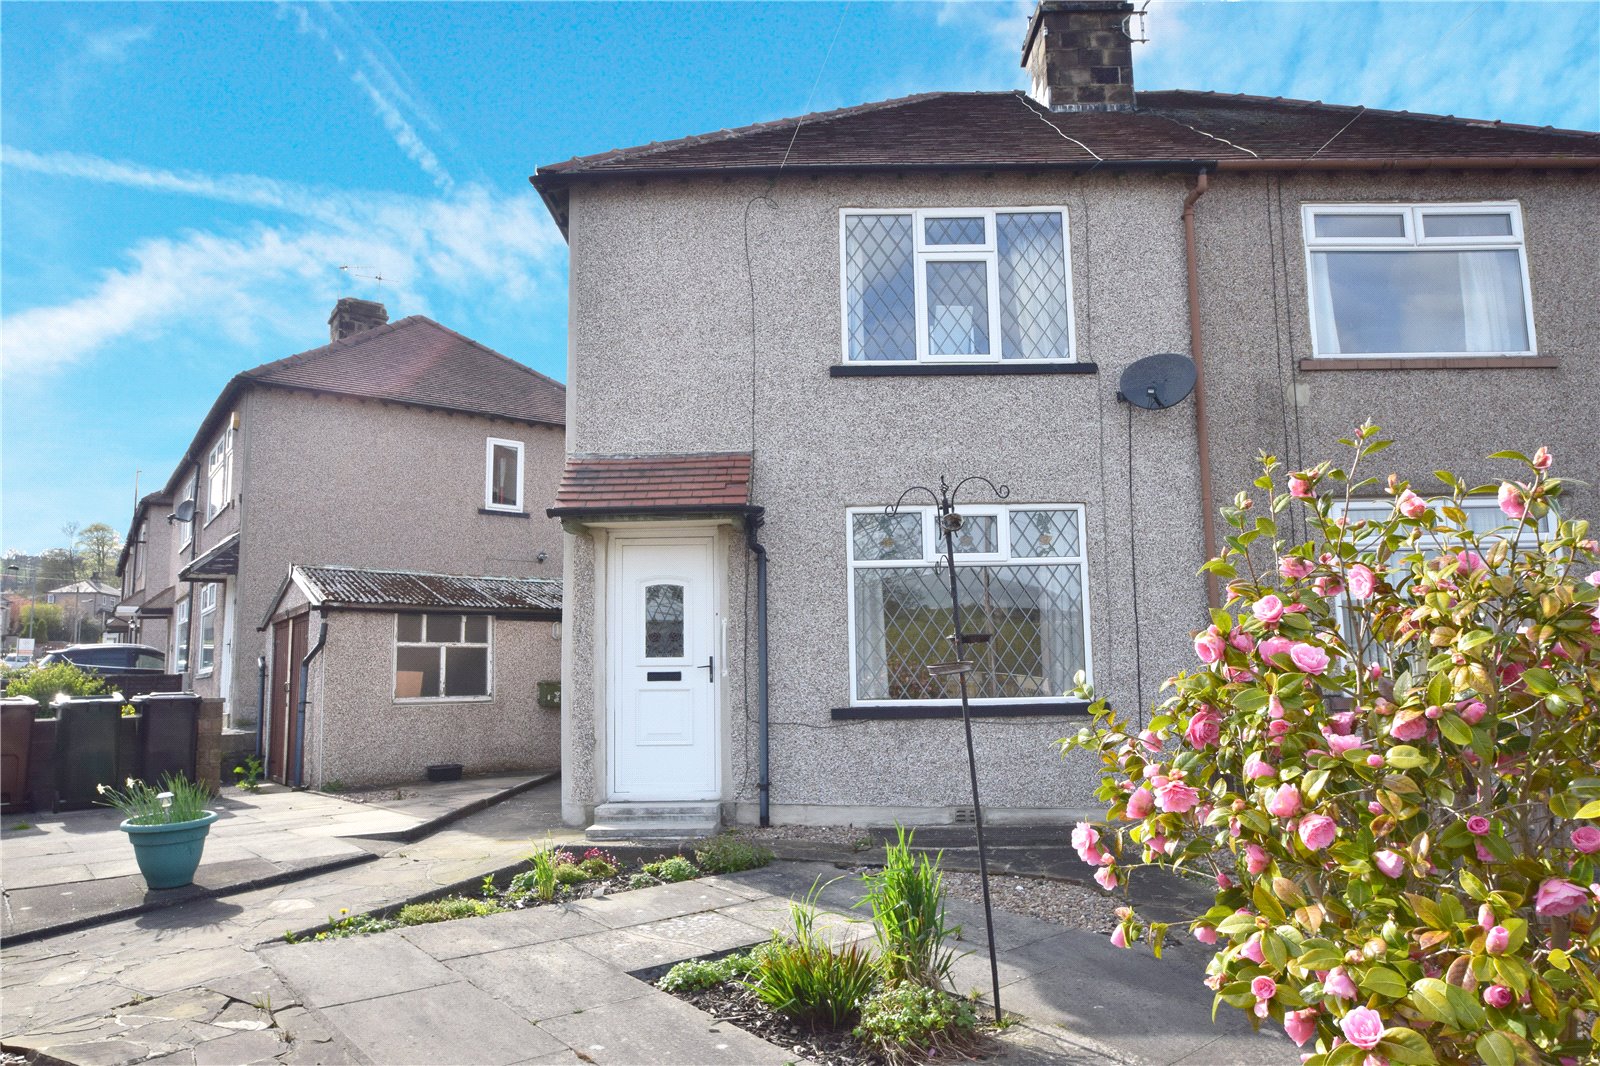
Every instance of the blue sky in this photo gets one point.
(183, 183)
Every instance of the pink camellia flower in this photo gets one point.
(1338, 745)
(1317, 831)
(1293, 568)
(1497, 940)
(1252, 950)
(1309, 658)
(1362, 582)
(1512, 502)
(1486, 917)
(1485, 856)
(1343, 723)
(1363, 1027)
(1374, 760)
(1206, 934)
(1299, 487)
(1268, 609)
(1285, 802)
(1586, 838)
(1224, 882)
(1478, 825)
(1389, 863)
(1210, 645)
(1256, 860)
(1338, 984)
(1328, 587)
(1176, 797)
(1594, 579)
(1301, 1025)
(1472, 711)
(1499, 996)
(1272, 647)
(1278, 727)
(1151, 742)
(1204, 730)
(1373, 806)
(1256, 768)
(1086, 841)
(1410, 504)
(1557, 897)
(1243, 641)
(1119, 939)
(1140, 802)
(1275, 709)
(1106, 877)
(1263, 987)
(1470, 561)
(1542, 458)
(1433, 713)
(1409, 728)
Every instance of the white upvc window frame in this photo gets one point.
(490, 444)
(219, 475)
(924, 253)
(186, 529)
(933, 555)
(206, 660)
(180, 636)
(1414, 238)
(487, 644)
(141, 545)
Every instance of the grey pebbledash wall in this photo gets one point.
(652, 370)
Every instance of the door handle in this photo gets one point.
(710, 666)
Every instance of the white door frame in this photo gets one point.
(614, 616)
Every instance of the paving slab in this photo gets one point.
(535, 925)
(451, 1023)
(330, 972)
(662, 1030)
(671, 940)
(548, 980)
(622, 909)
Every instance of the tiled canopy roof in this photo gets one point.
(654, 484)
(1007, 129)
(344, 586)
(419, 362)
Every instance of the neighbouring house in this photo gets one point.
(778, 330)
(413, 669)
(398, 446)
(89, 600)
(143, 614)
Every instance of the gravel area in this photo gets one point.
(849, 835)
(1061, 902)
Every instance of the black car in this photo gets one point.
(111, 658)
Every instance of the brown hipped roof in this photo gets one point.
(418, 362)
(713, 482)
(1007, 129)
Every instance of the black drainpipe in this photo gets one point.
(261, 703)
(764, 781)
(305, 674)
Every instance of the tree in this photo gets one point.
(100, 545)
(42, 621)
(1386, 761)
(57, 567)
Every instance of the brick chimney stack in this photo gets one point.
(351, 316)
(1080, 56)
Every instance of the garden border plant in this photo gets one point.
(1387, 760)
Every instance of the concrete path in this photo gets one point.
(62, 871)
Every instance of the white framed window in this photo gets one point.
(502, 475)
(1023, 581)
(180, 636)
(1417, 280)
(186, 529)
(219, 475)
(442, 657)
(141, 541)
(956, 285)
(208, 630)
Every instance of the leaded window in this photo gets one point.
(1021, 573)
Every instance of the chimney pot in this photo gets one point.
(351, 316)
(1080, 56)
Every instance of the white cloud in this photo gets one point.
(403, 133)
(473, 243)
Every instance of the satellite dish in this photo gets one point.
(1157, 381)
(183, 513)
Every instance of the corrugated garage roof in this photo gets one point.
(346, 586)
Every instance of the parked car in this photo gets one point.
(111, 658)
(16, 661)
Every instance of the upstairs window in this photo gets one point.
(219, 475)
(502, 477)
(140, 541)
(956, 285)
(441, 656)
(1424, 280)
(186, 529)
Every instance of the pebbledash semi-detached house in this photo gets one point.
(375, 506)
(777, 330)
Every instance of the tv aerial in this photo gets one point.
(354, 273)
(1157, 382)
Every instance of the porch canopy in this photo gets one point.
(701, 483)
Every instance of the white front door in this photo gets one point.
(663, 731)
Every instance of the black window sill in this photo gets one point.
(1059, 709)
(505, 514)
(934, 370)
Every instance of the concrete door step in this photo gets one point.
(654, 821)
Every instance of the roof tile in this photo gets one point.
(611, 483)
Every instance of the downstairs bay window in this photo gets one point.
(1022, 580)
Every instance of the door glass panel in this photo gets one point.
(1361, 225)
(953, 230)
(663, 622)
(416, 674)
(958, 308)
(466, 671)
(444, 628)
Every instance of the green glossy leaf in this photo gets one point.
(1469, 1012)
(1495, 1050)
(1589, 810)
(1431, 997)
(1405, 1046)
(1455, 729)
(1320, 955)
(1472, 886)
(1266, 903)
(1405, 757)
(1275, 950)
(1383, 981)
(1540, 681)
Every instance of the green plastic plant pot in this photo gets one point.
(168, 855)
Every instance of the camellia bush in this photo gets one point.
(1387, 760)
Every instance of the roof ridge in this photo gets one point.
(1424, 116)
(345, 343)
(490, 351)
(732, 132)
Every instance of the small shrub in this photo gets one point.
(541, 880)
(45, 683)
(568, 874)
(347, 924)
(642, 880)
(729, 854)
(677, 868)
(446, 910)
(597, 869)
(695, 975)
(807, 977)
(908, 915)
(909, 1023)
